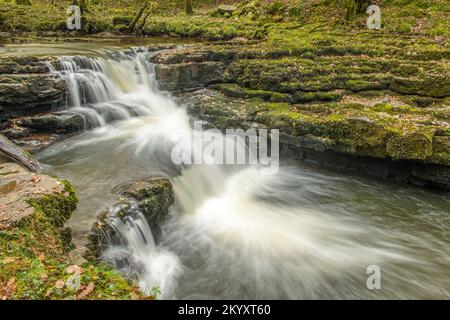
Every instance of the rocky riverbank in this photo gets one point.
(381, 116)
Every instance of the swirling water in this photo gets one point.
(303, 233)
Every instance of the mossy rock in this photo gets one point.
(304, 97)
(438, 87)
(34, 256)
(154, 198)
(441, 150)
(234, 90)
(412, 146)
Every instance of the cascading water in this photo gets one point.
(109, 88)
(234, 233)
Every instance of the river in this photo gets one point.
(304, 233)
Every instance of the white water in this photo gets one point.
(233, 232)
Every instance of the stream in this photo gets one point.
(304, 233)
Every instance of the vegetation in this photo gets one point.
(169, 17)
(34, 258)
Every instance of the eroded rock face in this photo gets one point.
(24, 94)
(22, 65)
(353, 136)
(27, 87)
(188, 76)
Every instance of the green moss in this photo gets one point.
(388, 108)
(441, 149)
(302, 97)
(437, 87)
(412, 146)
(121, 20)
(234, 90)
(56, 208)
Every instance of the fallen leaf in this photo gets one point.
(9, 290)
(43, 277)
(74, 269)
(87, 291)
(60, 284)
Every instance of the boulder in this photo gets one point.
(17, 186)
(226, 9)
(154, 198)
(54, 123)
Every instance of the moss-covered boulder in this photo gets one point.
(392, 133)
(35, 245)
(437, 87)
(154, 198)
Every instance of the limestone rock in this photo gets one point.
(188, 76)
(17, 185)
(23, 94)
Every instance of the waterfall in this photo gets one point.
(112, 87)
(132, 249)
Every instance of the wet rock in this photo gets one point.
(23, 65)
(17, 132)
(438, 176)
(54, 123)
(23, 94)
(154, 198)
(188, 76)
(36, 142)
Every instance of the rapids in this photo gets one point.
(303, 233)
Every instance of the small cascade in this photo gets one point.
(114, 86)
(130, 247)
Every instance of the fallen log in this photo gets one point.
(15, 153)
